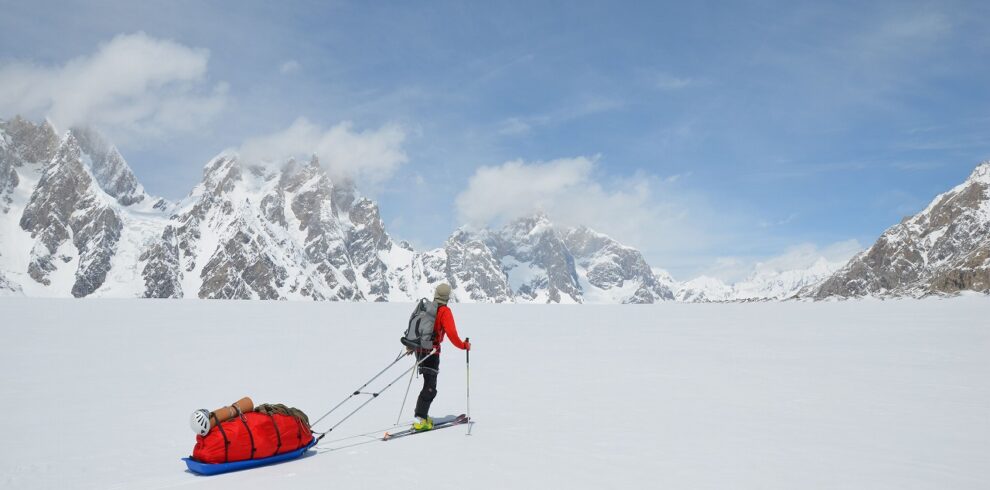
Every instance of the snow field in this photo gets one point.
(858, 394)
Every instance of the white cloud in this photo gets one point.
(644, 211)
(370, 156)
(805, 255)
(797, 257)
(289, 66)
(515, 188)
(132, 84)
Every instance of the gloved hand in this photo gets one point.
(467, 345)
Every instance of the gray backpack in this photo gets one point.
(419, 333)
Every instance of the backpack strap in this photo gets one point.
(438, 328)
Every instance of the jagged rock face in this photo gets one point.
(279, 233)
(941, 250)
(9, 179)
(325, 244)
(473, 271)
(111, 172)
(538, 263)
(29, 142)
(531, 260)
(65, 206)
(243, 268)
(21, 143)
(161, 267)
(367, 241)
(219, 178)
(96, 231)
(417, 276)
(609, 265)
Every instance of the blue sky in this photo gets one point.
(711, 136)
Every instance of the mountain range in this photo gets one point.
(75, 221)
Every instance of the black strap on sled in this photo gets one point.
(278, 435)
(226, 442)
(246, 426)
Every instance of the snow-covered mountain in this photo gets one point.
(762, 284)
(61, 230)
(942, 250)
(76, 221)
(703, 289)
(253, 232)
(543, 263)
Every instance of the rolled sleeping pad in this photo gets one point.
(202, 421)
(228, 412)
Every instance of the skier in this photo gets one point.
(430, 366)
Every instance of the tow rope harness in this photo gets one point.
(373, 395)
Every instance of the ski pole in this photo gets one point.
(404, 398)
(467, 361)
(375, 395)
(358, 391)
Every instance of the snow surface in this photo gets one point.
(798, 395)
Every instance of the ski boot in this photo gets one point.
(422, 424)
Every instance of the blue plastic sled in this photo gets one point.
(217, 468)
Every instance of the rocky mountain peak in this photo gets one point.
(108, 167)
(221, 174)
(981, 173)
(583, 241)
(534, 225)
(66, 206)
(941, 250)
(29, 142)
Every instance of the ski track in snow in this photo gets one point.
(855, 394)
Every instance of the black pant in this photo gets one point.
(429, 368)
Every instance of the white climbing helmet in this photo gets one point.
(200, 422)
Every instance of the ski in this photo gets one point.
(441, 423)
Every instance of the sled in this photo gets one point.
(218, 468)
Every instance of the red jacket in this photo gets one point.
(445, 326)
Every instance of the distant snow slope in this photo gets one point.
(763, 284)
(797, 395)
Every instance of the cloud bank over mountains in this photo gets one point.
(136, 86)
(370, 156)
(133, 83)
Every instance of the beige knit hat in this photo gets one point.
(442, 294)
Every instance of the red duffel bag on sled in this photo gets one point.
(252, 435)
